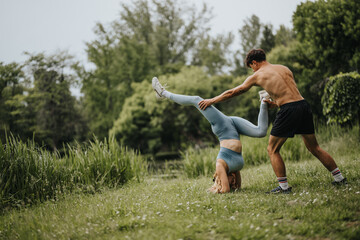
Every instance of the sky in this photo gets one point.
(50, 25)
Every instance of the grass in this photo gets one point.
(30, 174)
(335, 140)
(181, 208)
(177, 206)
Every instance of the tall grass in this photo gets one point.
(334, 139)
(30, 174)
(255, 150)
(199, 162)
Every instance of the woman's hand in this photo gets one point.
(205, 103)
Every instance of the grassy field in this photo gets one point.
(174, 203)
(181, 208)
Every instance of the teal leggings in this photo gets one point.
(225, 127)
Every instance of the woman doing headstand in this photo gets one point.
(228, 129)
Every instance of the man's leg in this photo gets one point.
(324, 157)
(275, 144)
(313, 146)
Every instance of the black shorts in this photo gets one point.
(293, 118)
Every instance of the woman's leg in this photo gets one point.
(212, 114)
(244, 127)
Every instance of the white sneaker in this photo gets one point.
(158, 88)
(264, 95)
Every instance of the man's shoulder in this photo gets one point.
(280, 67)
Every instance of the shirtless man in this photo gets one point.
(294, 116)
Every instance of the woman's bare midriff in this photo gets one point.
(232, 144)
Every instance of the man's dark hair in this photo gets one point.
(255, 54)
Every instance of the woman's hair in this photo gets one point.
(216, 187)
(232, 183)
(255, 54)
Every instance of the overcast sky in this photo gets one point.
(49, 25)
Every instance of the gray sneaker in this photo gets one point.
(158, 88)
(342, 182)
(264, 95)
(279, 190)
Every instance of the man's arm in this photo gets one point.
(244, 87)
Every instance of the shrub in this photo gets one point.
(30, 174)
(341, 98)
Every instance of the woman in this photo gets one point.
(229, 161)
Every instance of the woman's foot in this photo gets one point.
(264, 95)
(158, 88)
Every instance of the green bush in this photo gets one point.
(30, 174)
(341, 98)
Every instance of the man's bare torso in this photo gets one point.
(279, 82)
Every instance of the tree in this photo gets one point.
(104, 87)
(150, 125)
(212, 53)
(330, 34)
(249, 38)
(341, 99)
(249, 34)
(50, 101)
(268, 38)
(135, 126)
(148, 39)
(11, 77)
(284, 36)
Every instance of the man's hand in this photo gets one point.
(205, 103)
(271, 104)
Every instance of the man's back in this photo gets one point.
(279, 82)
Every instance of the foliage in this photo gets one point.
(199, 162)
(11, 77)
(103, 91)
(268, 40)
(341, 98)
(147, 124)
(249, 36)
(212, 53)
(137, 126)
(330, 34)
(284, 36)
(149, 38)
(50, 101)
(29, 174)
(36, 101)
(254, 34)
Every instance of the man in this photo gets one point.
(294, 116)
